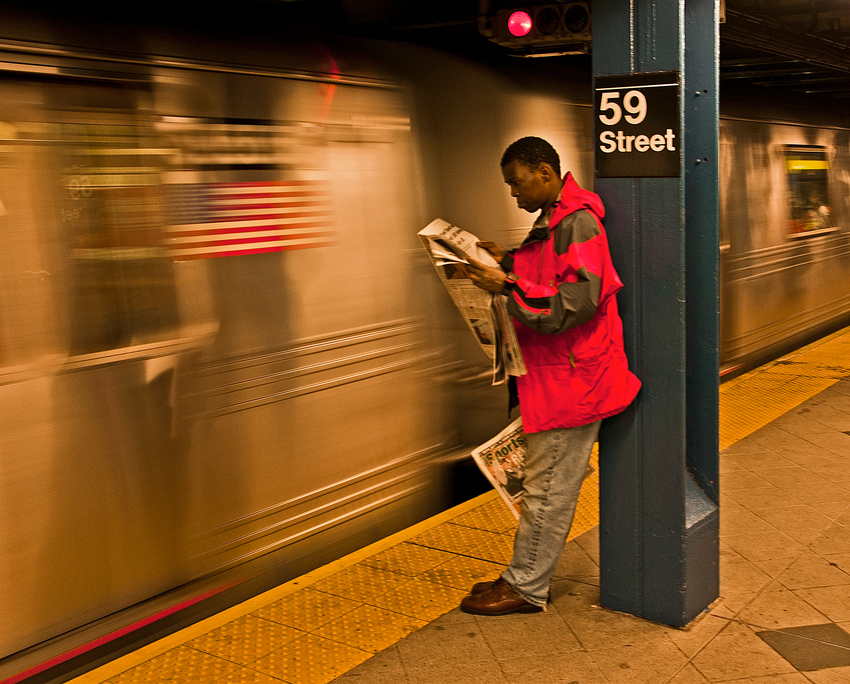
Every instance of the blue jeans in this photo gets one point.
(555, 465)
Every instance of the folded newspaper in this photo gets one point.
(502, 460)
(485, 313)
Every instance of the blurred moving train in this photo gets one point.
(224, 360)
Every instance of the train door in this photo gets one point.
(29, 354)
(291, 198)
(93, 474)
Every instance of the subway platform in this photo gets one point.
(388, 614)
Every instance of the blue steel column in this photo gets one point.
(659, 522)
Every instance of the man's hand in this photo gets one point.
(486, 277)
(496, 251)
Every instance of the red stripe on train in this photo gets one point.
(85, 648)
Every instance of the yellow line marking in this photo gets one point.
(145, 653)
(777, 387)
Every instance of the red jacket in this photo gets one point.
(565, 313)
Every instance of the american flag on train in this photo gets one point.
(228, 219)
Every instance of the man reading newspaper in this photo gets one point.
(560, 286)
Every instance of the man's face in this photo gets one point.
(529, 187)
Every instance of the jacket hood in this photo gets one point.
(573, 198)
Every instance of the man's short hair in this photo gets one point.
(532, 152)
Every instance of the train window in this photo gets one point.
(121, 281)
(26, 318)
(807, 170)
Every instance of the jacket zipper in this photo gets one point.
(540, 269)
(540, 278)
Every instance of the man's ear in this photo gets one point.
(547, 173)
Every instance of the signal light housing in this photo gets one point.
(519, 24)
(543, 30)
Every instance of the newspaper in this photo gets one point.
(485, 313)
(502, 460)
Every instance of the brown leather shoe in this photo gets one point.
(499, 599)
(480, 587)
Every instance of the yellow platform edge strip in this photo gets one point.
(145, 653)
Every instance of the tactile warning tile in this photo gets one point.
(762, 399)
(146, 673)
(306, 609)
(462, 572)
(310, 660)
(493, 517)
(370, 628)
(245, 675)
(420, 599)
(809, 365)
(755, 399)
(245, 639)
(408, 559)
(182, 664)
(360, 583)
(499, 549)
(453, 538)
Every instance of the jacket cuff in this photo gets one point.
(509, 284)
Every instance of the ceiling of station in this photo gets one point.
(798, 46)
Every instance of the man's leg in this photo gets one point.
(555, 465)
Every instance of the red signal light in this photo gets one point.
(519, 24)
(545, 28)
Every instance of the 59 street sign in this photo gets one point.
(637, 126)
